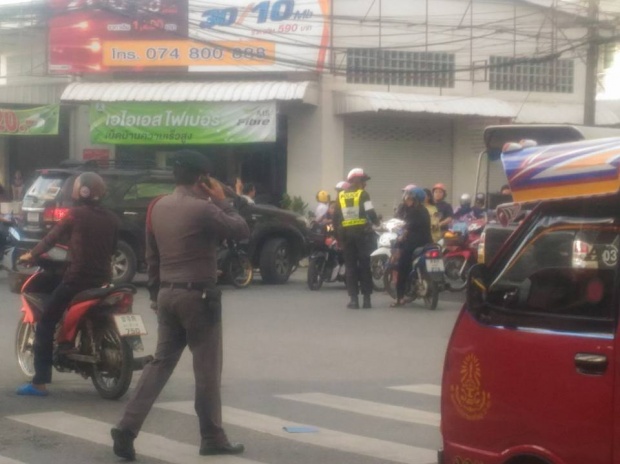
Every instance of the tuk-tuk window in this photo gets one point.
(562, 277)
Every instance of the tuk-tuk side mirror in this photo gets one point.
(477, 282)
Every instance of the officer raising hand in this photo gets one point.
(353, 218)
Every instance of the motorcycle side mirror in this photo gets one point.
(478, 280)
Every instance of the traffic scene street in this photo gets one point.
(305, 380)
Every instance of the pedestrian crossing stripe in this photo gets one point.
(367, 408)
(5, 460)
(425, 389)
(147, 444)
(326, 438)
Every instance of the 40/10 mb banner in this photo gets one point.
(182, 123)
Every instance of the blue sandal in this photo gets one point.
(29, 390)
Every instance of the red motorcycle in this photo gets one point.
(98, 332)
(461, 251)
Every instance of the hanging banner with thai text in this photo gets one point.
(33, 121)
(182, 123)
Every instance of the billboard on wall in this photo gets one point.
(93, 36)
(34, 121)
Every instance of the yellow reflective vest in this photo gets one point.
(350, 207)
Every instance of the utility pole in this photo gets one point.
(589, 107)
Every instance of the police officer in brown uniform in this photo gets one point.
(353, 218)
(183, 230)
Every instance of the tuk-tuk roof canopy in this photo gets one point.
(495, 137)
(567, 170)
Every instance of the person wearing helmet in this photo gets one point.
(184, 229)
(417, 233)
(479, 210)
(464, 211)
(92, 233)
(434, 214)
(445, 209)
(399, 212)
(323, 198)
(340, 186)
(353, 218)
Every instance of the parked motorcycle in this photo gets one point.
(234, 265)
(380, 258)
(461, 251)
(426, 279)
(326, 260)
(96, 337)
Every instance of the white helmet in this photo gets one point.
(465, 199)
(357, 173)
(342, 185)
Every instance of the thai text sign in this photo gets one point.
(182, 123)
(34, 121)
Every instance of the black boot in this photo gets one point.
(123, 444)
(354, 303)
(366, 304)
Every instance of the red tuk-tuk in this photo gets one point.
(531, 367)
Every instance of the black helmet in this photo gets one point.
(89, 186)
(480, 198)
(192, 160)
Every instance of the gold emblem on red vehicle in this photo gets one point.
(470, 400)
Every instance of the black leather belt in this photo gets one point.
(199, 286)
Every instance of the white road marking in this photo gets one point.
(367, 408)
(5, 460)
(325, 438)
(147, 444)
(425, 389)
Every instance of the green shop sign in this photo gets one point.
(182, 123)
(34, 121)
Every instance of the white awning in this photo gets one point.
(304, 92)
(563, 113)
(374, 102)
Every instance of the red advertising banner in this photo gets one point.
(97, 36)
(79, 29)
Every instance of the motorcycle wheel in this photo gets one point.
(112, 375)
(456, 279)
(431, 297)
(389, 281)
(315, 273)
(24, 343)
(239, 270)
(377, 267)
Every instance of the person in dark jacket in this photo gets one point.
(417, 233)
(183, 233)
(353, 220)
(92, 231)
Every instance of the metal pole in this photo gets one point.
(589, 106)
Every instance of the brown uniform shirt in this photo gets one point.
(185, 230)
(92, 233)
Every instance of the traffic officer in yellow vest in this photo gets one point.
(353, 219)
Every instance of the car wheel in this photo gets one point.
(275, 261)
(123, 263)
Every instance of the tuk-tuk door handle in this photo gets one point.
(591, 363)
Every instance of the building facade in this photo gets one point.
(402, 89)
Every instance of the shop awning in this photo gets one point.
(303, 92)
(563, 113)
(374, 102)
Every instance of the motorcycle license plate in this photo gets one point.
(434, 265)
(129, 325)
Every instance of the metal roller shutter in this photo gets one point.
(396, 152)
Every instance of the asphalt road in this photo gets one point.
(363, 383)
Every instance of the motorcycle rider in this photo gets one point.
(464, 211)
(92, 232)
(445, 209)
(323, 199)
(417, 233)
(434, 214)
(479, 210)
(354, 213)
(400, 209)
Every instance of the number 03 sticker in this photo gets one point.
(610, 255)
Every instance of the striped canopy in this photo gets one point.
(567, 170)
